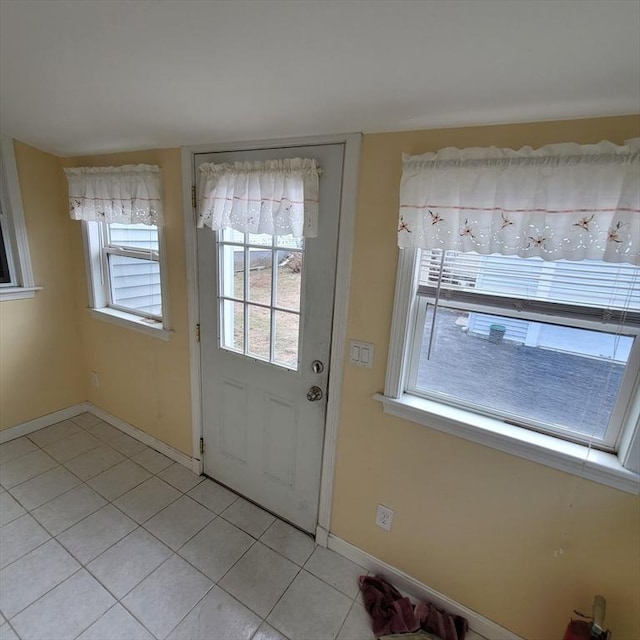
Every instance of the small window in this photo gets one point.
(132, 257)
(543, 345)
(125, 269)
(121, 213)
(16, 275)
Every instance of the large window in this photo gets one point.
(517, 314)
(543, 345)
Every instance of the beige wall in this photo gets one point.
(143, 380)
(476, 524)
(40, 359)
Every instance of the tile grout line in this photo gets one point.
(299, 567)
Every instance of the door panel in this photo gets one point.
(266, 308)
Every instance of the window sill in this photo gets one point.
(130, 321)
(17, 293)
(595, 465)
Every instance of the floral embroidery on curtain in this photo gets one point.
(129, 194)
(560, 201)
(277, 197)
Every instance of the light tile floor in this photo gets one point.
(104, 538)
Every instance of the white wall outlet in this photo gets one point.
(361, 353)
(384, 517)
(95, 379)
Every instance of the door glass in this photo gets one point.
(288, 279)
(286, 338)
(259, 275)
(259, 331)
(265, 325)
(232, 323)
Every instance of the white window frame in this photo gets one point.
(22, 283)
(620, 470)
(97, 251)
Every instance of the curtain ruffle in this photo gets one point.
(130, 194)
(277, 197)
(560, 201)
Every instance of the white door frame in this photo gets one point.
(346, 233)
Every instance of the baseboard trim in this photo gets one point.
(145, 438)
(193, 464)
(30, 426)
(322, 536)
(420, 591)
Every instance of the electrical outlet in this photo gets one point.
(384, 517)
(95, 379)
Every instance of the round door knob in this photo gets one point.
(314, 394)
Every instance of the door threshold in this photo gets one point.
(257, 504)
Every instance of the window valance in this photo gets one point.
(129, 194)
(560, 201)
(277, 197)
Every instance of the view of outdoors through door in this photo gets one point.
(260, 285)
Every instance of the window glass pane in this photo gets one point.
(259, 332)
(139, 236)
(289, 279)
(544, 373)
(586, 283)
(290, 242)
(261, 238)
(260, 275)
(233, 325)
(286, 341)
(252, 266)
(231, 235)
(135, 284)
(232, 272)
(5, 275)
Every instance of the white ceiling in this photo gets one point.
(84, 76)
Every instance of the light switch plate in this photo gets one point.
(361, 353)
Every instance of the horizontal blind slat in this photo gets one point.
(589, 283)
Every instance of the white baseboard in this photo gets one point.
(322, 537)
(43, 421)
(145, 438)
(26, 428)
(420, 591)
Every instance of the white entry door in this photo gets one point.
(266, 308)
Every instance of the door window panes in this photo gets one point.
(260, 295)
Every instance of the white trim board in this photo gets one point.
(145, 438)
(36, 424)
(420, 591)
(193, 307)
(70, 412)
(350, 175)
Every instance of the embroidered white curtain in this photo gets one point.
(277, 197)
(129, 194)
(560, 201)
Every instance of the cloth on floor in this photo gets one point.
(440, 622)
(393, 613)
(390, 612)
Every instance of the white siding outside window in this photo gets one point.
(126, 269)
